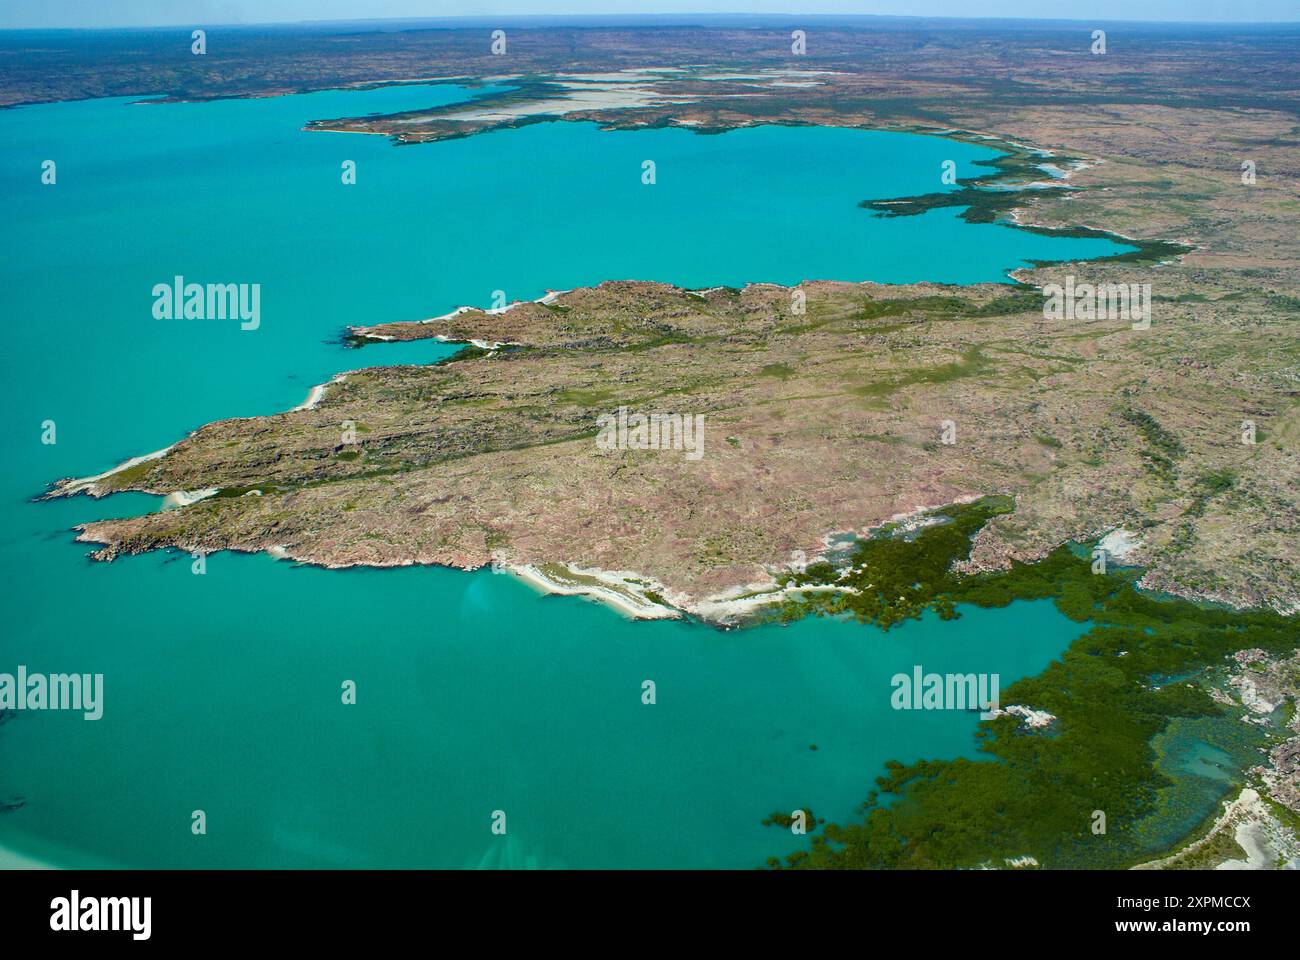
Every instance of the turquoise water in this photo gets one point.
(474, 694)
(1203, 757)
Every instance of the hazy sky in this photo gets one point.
(105, 13)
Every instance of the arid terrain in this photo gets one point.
(831, 408)
(830, 421)
(825, 422)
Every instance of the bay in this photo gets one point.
(222, 691)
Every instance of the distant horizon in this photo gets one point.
(147, 14)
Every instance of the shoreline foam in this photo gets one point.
(73, 485)
(613, 588)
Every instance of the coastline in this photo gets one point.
(1244, 823)
(365, 332)
(644, 598)
(71, 486)
(1055, 408)
(620, 589)
(90, 485)
(625, 592)
(313, 397)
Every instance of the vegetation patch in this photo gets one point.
(1038, 797)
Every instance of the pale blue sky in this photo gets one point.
(105, 13)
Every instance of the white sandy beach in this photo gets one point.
(183, 498)
(612, 587)
(90, 484)
(313, 398)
